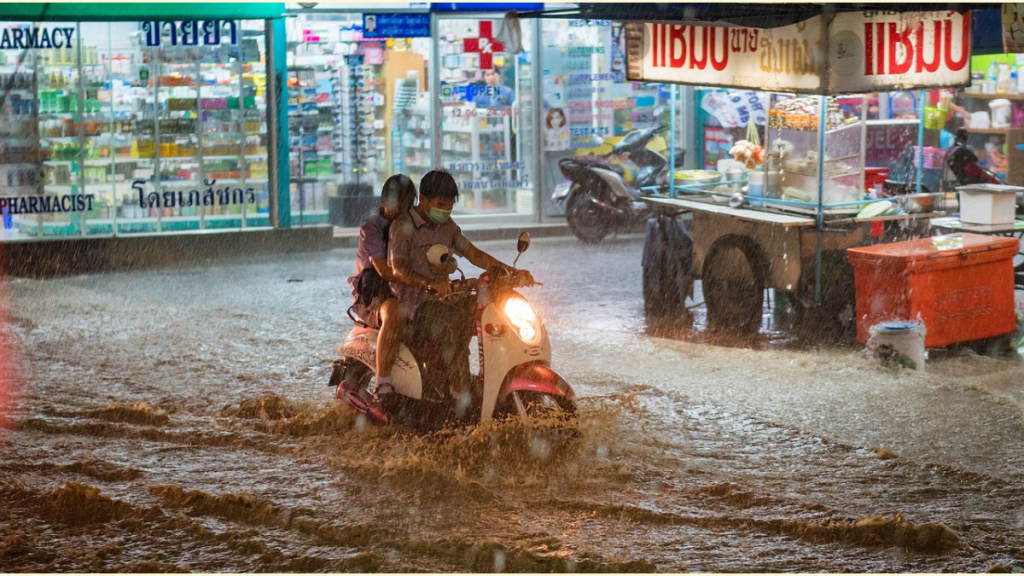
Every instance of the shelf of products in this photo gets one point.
(361, 145)
(145, 134)
(341, 150)
(413, 136)
(313, 140)
(20, 152)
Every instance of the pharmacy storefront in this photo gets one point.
(149, 123)
(375, 92)
(151, 119)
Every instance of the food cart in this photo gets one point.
(792, 235)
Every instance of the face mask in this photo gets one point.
(438, 216)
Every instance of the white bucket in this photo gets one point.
(905, 336)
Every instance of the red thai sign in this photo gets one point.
(866, 51)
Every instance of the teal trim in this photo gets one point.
(699, 156)
(135, 12)
(673, 91)
(52, 229)
(922, 103)
(284, 194)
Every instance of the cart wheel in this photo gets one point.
(733, 280)
(667, 271)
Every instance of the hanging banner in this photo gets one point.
(898, 51)
(867, 51)
(735, 108)
(1013, 28)
(784, 59)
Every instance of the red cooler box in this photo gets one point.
(960, 285)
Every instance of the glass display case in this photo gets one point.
(800, 171)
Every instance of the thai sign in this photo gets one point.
(191, 32)
(212, 196)
(898, 51)
(777, 59)
(866, 51)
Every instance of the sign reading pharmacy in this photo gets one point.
(866, 51)
(23, 37)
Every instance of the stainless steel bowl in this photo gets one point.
(918, 203)
(697, 177)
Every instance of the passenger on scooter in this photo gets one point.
(373, 300)
(445, 325)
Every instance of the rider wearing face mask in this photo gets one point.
(412, 234)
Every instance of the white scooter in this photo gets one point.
(514, 378)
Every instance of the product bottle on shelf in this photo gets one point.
(991, 78)
(1003, 79)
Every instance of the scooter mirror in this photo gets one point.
(524, 242)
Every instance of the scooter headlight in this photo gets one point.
(522, 317)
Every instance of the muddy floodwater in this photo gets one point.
(179, 420)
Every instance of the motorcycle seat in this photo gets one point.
(603, 166)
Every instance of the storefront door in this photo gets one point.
(359, 111)
(487, 117)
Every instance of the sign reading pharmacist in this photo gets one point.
(866, 51)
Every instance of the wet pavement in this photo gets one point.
(179, 419)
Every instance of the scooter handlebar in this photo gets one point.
(499, 278)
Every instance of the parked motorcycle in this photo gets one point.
(604, 195)
(515, 376)
(963, 165)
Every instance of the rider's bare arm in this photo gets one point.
(405, 274)
(481, 259)
(381, 265)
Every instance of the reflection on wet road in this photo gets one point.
(180, 420)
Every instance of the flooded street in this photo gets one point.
(179, 420)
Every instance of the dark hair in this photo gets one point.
(398, 188)
(438, 183)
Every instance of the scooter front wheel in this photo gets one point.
(587, 218)
(538, 406)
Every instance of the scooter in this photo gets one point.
(962, 164)
(514, 378)
(601, 196)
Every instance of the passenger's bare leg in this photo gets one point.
(389, 337)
